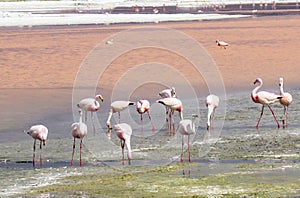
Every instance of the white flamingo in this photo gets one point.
(222, 44)
(143, 106)
(92, 105)
(187, 127)
(286, 100)
(264, 98)
(117, 107)
(79, 131)
(212, 102)
(124, 132)
(175, 105)
(168, 93)
(38, 132)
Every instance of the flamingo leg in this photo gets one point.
(167, 114)
(80, 162)
(119, 117)
(182, 144)
(189, 148)
(122, 146)
(261, 114)
(72, 162)
(153, 128)
(85, 115)
(285, 112)
(170, 122)
(41, 160)
(278, 125)
(94, 128)
(142, 123)
(33, 158)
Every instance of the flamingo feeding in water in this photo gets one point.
(124, 132)
(222, 44)
(92, 105)
(38, 132)
(212, 102)
(79, 131)
(187, 127)
(168, 93)
(143, 106)
(175, 105)
(286, 100)
(117, 106)
(264, 98)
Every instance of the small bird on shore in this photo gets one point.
(117, 107)
(186, 128)
(286, 100)
(92, 105)
(38, 132)
(143, 106)
(265, 98)
(222, 44)
(212, 102)
(79, 131)
(124, 132)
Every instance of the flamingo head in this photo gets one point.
(194, 116)
(258, 80)
(108, 133)
(173, 92)
(99, 97)
(44, 142)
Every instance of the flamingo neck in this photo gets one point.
(281, 89)
(255, 90)
(193, 124)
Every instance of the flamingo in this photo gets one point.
(124, 132)
(92, 105)
(38, 132)
(79, 131)
(264, 98)
(168, 93)
(222, 44)
(117, 106)
(212, 102)
(286, 100)
(187, 127)
(175, 105)
(143, 106)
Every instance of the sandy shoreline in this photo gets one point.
(50, 57)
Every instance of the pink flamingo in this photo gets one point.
(143, 106)
(168, 93)
(286, 100)
(117, 106)
(175, 105)
(187, 127)
(38, 132)
(124, 132)
(92, 105)
(212, 102)
(79, 131)
(222, 44)
(264, 98)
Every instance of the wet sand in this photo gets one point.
(49, 57)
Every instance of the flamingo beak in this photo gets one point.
(44, 142)
(101, 98)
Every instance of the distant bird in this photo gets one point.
(212, 102)
(187, 127)
(117, 107)
(38, 132)
(264, 98)
(92, 105)
(222, 44)
(110, 42)
(168, 93)
(286, 100)
(143, 106)
(124, 132)
(79, 131)
(174, 104)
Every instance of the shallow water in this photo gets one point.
(150, 149)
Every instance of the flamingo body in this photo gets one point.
(264, 98)
(286, 100)
(186, 128)
(124, 132)
(168, 93)
(143, 106)
(212, 102)
(117, 107)
(38, 132)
